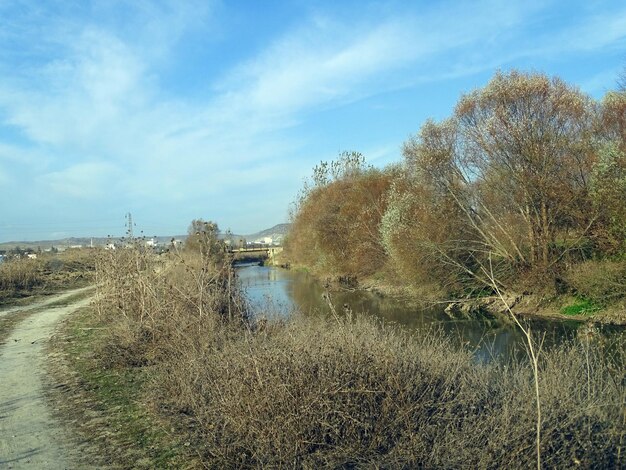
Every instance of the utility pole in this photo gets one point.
(129, 224)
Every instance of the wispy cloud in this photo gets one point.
(600, 30)
(322, 63)
(86, 110)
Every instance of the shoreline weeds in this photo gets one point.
(527, 306)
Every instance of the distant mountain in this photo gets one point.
(60, 243)
(276, 231)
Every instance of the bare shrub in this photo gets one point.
(333, 392)
(317, 392)
(161, 299)
(602, 282)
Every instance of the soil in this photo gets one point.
(30, 437)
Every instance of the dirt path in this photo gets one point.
(29, 436)
(44, 302)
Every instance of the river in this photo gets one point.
(274, 291)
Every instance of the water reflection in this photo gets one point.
(273, 291)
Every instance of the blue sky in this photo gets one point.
(175, 110)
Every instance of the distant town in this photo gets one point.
(273, 236)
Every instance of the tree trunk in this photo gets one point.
(545, 232)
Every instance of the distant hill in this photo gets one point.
(63, 243)
(59, 243)
(277, 233)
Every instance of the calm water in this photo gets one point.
(275, 291)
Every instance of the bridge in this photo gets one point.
(256, 253)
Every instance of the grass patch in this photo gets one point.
(116, 418)
(582, 307)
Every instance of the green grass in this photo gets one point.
(117, 393)
(580, 307)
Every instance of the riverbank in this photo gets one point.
(556, 307)
(323, 392)
(169, 372)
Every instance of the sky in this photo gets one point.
(176, 110)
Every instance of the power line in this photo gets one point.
(129, 218)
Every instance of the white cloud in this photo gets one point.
(86, 96)
(87, 181)
(326, 62)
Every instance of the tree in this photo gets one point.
(528, 149)
(612, 125)
(349, 164)
(335, 225)
(609, 194)
(203, 237)
(428, 227)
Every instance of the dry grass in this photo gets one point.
(20, 275)
(330, 392)
(161, 300)
(318, 393)
(49, 273)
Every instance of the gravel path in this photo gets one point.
(29, 436)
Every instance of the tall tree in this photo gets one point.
(527, 145)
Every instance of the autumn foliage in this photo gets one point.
(336, 223)
(525, 179)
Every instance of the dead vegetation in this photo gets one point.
(342, 392)
(48, 273)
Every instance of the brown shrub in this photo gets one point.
(335, 231)
(20, 275)
(602, 282)
(315, 392)
(47, 273)
(161, 299)
(330, 392)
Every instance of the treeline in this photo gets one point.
(523, 185)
